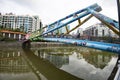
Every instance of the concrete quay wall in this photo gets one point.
(48, 44)
(18, 44)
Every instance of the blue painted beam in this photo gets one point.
(64, 24)
(86, 43)
(85, 12)
(94, 7)
(105, 18)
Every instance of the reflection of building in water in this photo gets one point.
(57, 59)
(98, 59)
(12, 62)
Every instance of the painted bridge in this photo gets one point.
(81, 16)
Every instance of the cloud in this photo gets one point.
(52, 10)
(10, 6)
(109, 8)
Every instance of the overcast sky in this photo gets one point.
(52, 10)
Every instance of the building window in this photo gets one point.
(96, 32)
(103, 33)
(92, 31)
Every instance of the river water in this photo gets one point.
(55, 63)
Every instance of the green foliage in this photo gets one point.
(17, 30)
(1, 37)
(21, 29)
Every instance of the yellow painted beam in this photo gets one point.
(66, 28)
(80, 23)
(58, 32)
(44, 27)
(111, 27)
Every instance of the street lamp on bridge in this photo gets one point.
(118, 4)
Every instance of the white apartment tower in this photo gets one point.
(7, 21)
(23, 22)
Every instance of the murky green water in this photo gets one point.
(55, 63)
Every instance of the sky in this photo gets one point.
(52, 10)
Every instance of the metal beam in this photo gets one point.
(80, 23)
(81, 14)
(112, 24)
(94, 7)
(91, 44)
(111, 27)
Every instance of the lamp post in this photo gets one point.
(118, 4)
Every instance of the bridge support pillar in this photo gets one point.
(20, 36)
(3, 34)
(14, 36)
(26, 44)
(9, 35)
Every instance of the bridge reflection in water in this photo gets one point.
(85, 63)
(74, 63)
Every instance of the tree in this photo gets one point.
(22, 28)
(17, 30)
(1, 27)
(1, 36)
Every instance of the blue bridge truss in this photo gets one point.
(89, 11)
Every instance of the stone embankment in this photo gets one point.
(48, 44)
(15, 44)
(18, 44)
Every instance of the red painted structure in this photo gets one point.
(12, 35)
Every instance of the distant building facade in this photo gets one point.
(99, 30)
(80, 30)
(25, 23)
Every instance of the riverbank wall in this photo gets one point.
(15, 44)
(48, 44)
(18, 44)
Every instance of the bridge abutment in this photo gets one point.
(26, 44)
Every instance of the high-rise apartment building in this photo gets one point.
(23, 22)
(7, 21)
